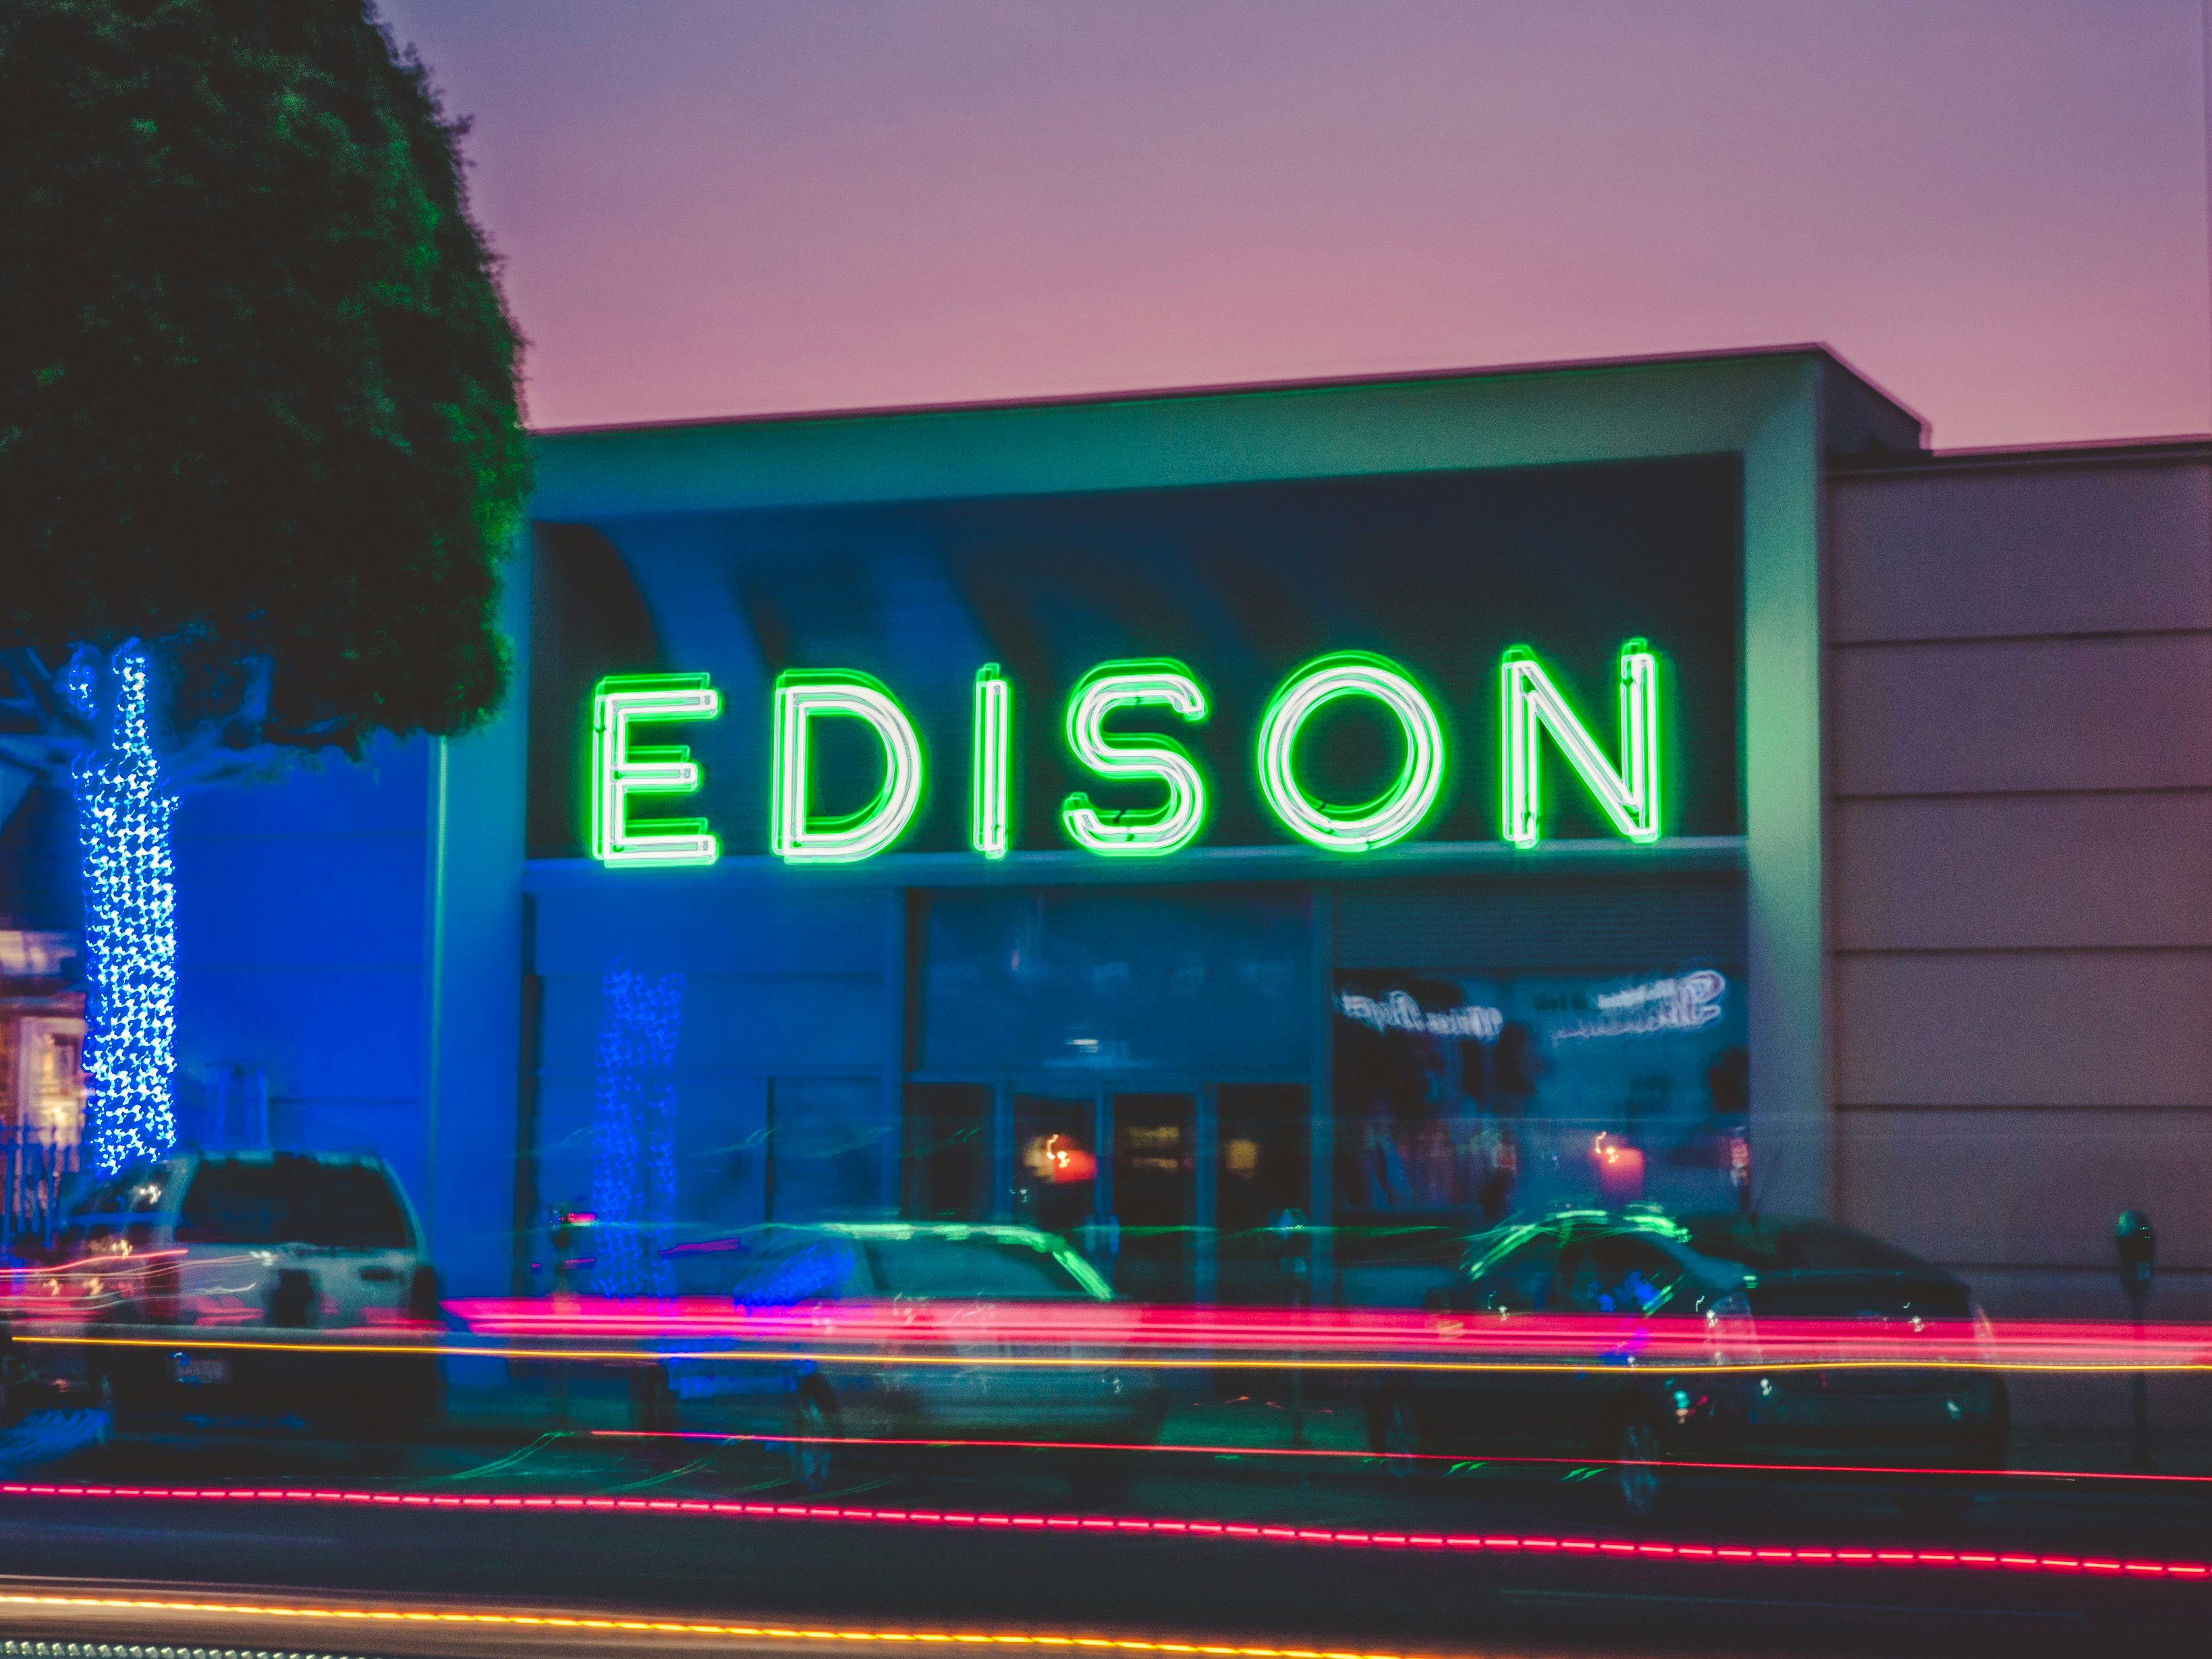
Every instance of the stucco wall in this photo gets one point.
(778, 1021)
(350, 932)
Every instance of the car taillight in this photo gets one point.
(160, 1298)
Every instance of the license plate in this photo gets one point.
(198, 1370)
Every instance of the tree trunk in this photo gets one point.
(129, 922)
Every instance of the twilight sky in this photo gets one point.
(1995, 209)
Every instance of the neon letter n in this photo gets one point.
(1531, 704)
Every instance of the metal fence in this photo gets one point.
(35, 1172)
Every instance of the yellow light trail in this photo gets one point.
(447, 1616)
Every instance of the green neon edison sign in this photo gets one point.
(1626, 787)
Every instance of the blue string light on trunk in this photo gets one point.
(130, 924)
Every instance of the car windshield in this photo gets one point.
(1796, 1246)
(291, 1200)
(1520, 1281)
(767, 1272)
(926, 1267)
(120, 1207)
(1619, 1273)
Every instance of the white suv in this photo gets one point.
(245, 1245)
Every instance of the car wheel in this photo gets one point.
(811, 1450)
(1395, 1435)
(1636, 1460)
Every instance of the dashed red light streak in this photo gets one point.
(1462, 1543)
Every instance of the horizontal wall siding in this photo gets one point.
(2020, 868)
(2032, 715)
(2064, 549)
(2043, 1028)
(1994, 872)
(1931, 1174)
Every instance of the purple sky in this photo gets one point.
(716, 207)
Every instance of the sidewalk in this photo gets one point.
(537, 1400)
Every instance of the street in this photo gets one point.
(922, 1544)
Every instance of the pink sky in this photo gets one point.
(1996, 210)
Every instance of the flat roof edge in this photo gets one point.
(1256, 388)
(2084, 452)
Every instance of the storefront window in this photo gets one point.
(1190, 980)
(1470, 1097)
(826, 1149)
(947, 1158)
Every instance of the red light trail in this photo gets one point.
(953, 1443)
(1324, 1333)
(1015, 1336)
(1644, 1549)
(1340, 1337)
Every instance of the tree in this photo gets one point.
(261, 451)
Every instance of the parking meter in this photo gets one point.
(571, 1238)
(1291, 1245)
(2137, 1241)
(1289, 1228)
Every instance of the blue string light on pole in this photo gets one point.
(130, 923)
(633, 1132)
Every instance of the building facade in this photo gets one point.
(1181, 1048)
(2018, 679)
(1265, 833)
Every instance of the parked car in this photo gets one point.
(251, 1244)
(944, 1313)
(1640, 1273)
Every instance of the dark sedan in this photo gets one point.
(1775, 1307)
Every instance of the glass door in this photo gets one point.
(1055, 1162)
(1155, 1161)
(1261, 1187)
(946, 1166)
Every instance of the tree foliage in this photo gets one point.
(257, 381)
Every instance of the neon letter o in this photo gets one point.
(1399, 810)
